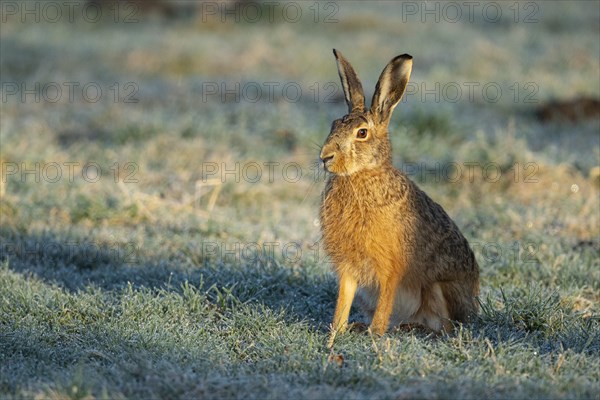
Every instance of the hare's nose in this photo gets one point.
(327, 157)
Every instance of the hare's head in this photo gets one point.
(359, 140)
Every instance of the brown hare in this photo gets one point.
(386, 238)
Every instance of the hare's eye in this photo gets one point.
(361, 133)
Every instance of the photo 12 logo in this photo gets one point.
(252, 252)
(471, 171)
(71, 251)
(28, 11)
(469, 11)
(252, 171)
(471, 92)
(69, 92)
(269, 11)
(68, 171)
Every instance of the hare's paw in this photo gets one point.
(378, 329)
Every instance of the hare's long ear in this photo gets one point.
(353, 91)
(390, 87)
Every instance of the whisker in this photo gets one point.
(317, 145)
(308, 192)
(311, 154)
(318, 170)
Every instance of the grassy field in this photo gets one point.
(159, 198)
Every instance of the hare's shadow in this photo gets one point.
(74, 264)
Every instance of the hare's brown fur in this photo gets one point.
(386, 237)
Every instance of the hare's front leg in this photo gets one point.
(346, 293)
(385, 304)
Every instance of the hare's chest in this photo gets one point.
(347, 212)
(344, 217)
(358, 221)
(359, 237)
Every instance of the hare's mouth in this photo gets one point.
(332, 168)
(328, 162)
(337, 164)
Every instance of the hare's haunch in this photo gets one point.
(390, 243)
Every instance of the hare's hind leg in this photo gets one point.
(433, 312)
(366, 297)
(461, 299)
